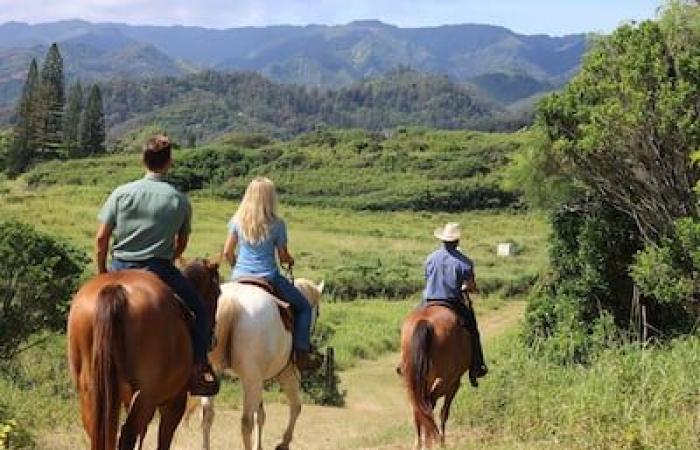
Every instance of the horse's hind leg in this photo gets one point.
(252, 393)
(207, 421)
(260, 422)
(419, 437)
(170, 417)
(289, 382)
(140, 414)
(445, 411)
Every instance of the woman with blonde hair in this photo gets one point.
(259, 233)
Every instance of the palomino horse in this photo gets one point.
(252, 341)
(435, 352)
(129, 342)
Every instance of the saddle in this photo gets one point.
(451, 306)
(286, 313)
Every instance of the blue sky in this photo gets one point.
(526, 16)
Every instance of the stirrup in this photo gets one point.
(204, 382)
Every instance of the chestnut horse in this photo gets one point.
(436, 351)
(129, 343)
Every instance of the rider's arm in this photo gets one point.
(181, 241)
(469, 284)
(230, 248)
(280, 240)
(183, 234)
(104, 232)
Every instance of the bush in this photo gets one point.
(315, 384)
(40, 274)
(668, 276)
(12, 436)
(592, 247)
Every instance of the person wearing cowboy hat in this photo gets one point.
(449, 277)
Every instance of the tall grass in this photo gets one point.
(628, 398)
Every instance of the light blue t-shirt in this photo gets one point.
(259, 259)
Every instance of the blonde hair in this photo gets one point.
(258, 210)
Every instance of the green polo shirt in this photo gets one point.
(145, 216)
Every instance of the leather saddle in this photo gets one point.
(286, 313)
(449, 305)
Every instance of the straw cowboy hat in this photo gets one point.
(449, 233)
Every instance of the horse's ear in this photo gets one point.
(320, 286)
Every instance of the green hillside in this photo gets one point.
(406, 169)
(211, 103)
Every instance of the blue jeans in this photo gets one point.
(171, 275)
(301, 336)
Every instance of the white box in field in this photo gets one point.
(505, 249)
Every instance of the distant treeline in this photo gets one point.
(199, 106)
(47, 125)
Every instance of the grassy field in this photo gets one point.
(358, 253)
(628, 398)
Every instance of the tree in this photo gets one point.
(71, 120)
(25, 133)
(52, 101)
(627, 124)
(92, 124)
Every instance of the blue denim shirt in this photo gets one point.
(446, 269)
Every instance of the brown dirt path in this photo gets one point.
(376, 409)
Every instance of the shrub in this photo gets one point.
(668, 276)
(592, 247)
(40, 273)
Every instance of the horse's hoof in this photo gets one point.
(282, 447)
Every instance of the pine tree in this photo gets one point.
(92, 124)
(22, 151)
(52, 100)
(71, 120)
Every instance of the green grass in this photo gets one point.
(358, 253)
(628, 398)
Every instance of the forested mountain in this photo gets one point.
(96, 55)
(209, 103)
(326, 56)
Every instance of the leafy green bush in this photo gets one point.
(40, 274)
(592, 247)
(371, 281)
(668, 276)
(315, 385)
(5, 138)
(12, 436)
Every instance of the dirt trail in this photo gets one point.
(375, 411)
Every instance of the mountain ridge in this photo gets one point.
(332, 56)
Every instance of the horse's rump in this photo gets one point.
(286, 312)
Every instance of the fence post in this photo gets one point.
(330, 369)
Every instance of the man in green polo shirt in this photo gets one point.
(149, 221)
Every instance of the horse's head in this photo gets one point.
(205, 277)
(312, 292)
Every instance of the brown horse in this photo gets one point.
(435, 352)
(129, 344)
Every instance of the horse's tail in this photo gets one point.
(417, 377)
(107, 364)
